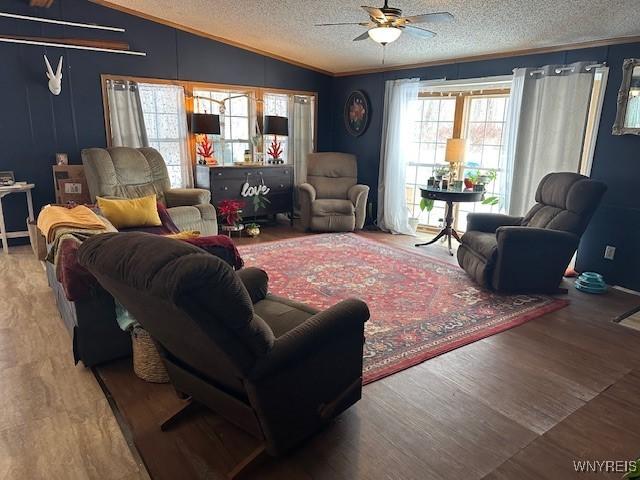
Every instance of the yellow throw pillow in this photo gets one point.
(130, 212)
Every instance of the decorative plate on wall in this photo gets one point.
(356, 113)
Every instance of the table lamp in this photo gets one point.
(205, 124)
(275, 126)
(454, 155)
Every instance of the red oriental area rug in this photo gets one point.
(420, 307)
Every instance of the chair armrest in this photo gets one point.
(307, 191)
(309, 337)
(358, 195)
(356, 192)
(490, 222)
(256, 281)
(181, 197)
(526, 236)
(532, 259)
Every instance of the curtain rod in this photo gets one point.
(566, 69)
(73, 47)
(60, 22)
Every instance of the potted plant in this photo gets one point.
(252, 229)
(230, 211)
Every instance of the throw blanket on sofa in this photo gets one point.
(52, 218)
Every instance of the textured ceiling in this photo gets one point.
(286, 27)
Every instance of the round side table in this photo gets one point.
(450, 197)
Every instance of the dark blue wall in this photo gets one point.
(34, 124)
(616, 161)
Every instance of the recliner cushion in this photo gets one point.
(282, 315)
(329, 207)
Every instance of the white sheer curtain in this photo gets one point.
(186, 164)
(546, 127)
(125, 115)
(400, 110)
(300, 137)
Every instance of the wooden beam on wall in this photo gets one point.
(40, 3)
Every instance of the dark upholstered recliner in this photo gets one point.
(276, 368)
(136, 172)
(531, 253)
(331, 200)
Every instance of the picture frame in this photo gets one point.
(62, 159)
(7, 178)
(357, 113)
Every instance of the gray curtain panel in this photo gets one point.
(125, 115)
(547, 123)
(300, 137)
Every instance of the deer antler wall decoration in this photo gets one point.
(55, 79)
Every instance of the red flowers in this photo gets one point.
(230, 211)
(275, 150)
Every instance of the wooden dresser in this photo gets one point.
(242, 181)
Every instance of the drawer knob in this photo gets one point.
(219, 173)
(281, 185)
(226, 188)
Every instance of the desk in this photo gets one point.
(4, 191)
(450, 197)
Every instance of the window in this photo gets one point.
(233, 108)
(484, 125)
(164, 113)
(480, 119)
(276, 104)
(430, 134)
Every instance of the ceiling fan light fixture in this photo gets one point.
(384, 35)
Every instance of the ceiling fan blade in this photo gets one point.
(376, 13)
(364, 24)
(364, 36)
(439, 17)
(419, 32)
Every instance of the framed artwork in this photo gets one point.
(356, 113)
(7, 178)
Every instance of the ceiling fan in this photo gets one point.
(386, 24)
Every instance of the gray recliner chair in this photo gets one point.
(276, 368)
(331, 200)
(136, 172)
(531, 253)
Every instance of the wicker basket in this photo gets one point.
(147, 363)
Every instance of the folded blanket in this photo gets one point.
(80, 217)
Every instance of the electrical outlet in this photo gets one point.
(609, 252)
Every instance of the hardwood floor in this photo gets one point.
(523, 404)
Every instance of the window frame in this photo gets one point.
(459, 125)
(190, 86)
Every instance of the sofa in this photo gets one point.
(331, 200)
(531, 253)
(136, 172)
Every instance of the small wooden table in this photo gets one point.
(7, 190)
(450, 197)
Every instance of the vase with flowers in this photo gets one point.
(230, 211)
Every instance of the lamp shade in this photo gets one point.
(456, 148)
(207, 123)
(276, 125)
